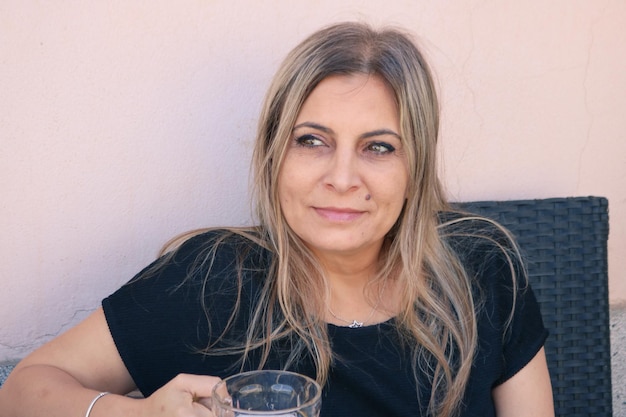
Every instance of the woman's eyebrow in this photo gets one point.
(373, 133)
(315, 126)
(380, 132)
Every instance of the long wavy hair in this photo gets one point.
(436, 311)
(437, 318)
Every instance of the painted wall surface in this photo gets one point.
(125, 123)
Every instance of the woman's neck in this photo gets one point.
(353, 270)
(355, 292)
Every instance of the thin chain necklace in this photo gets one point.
(355, 324)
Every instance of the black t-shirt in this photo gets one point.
(160, 323)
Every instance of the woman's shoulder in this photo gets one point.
(470, 234)
(236, 241)
(218, 250)
(489, 252)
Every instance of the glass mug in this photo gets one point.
(267, 393)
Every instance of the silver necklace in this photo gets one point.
(355, 324)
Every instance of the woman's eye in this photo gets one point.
(309, 141)
(380, 148)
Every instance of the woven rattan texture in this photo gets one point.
(565, 244)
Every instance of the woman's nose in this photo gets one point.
(343, 172)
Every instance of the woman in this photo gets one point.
(358, 274)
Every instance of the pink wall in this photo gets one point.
(125, 123)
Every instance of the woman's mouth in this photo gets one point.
(336, 214)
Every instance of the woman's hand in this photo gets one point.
(184, 396)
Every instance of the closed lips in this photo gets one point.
(338, 214)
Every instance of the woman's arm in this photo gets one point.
(62, 377)
(528, 393)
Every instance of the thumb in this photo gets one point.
(199, 387)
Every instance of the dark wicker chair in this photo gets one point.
(564, 240)
(565, 243)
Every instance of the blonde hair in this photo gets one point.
(437, 317)
(436, 310)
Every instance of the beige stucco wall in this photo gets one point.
(125, 123)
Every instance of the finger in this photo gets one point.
(198, 386)
(202, 411)
(221, 396)
(205, 401)
(200, 389)
(222, 392)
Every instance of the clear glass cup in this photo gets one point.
(267, 393)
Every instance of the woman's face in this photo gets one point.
(344, 177)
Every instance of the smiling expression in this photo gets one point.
(343, 181)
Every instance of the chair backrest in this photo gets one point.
(565, 243)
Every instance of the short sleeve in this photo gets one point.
(511, 316)
(159, 320)
(527, 334)
(152, 316)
